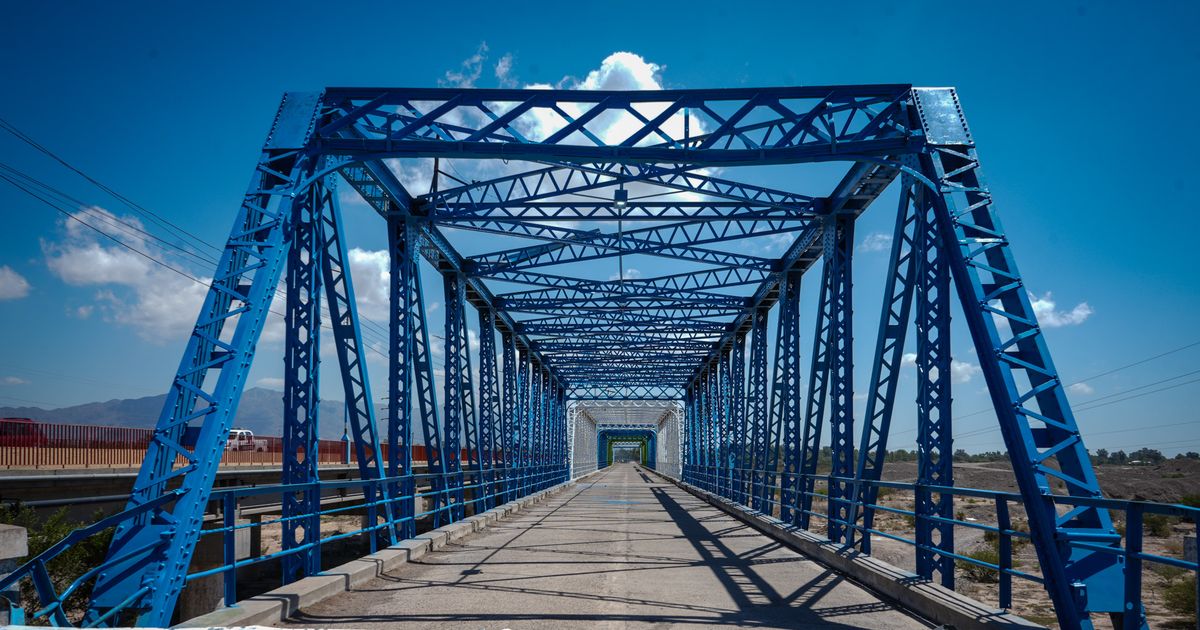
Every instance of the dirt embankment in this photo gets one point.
(1168, 482)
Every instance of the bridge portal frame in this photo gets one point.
(948, 241)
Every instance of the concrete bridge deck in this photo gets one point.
(621, 549)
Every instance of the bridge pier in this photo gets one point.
(14, 546)
(206, 594)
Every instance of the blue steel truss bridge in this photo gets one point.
(700, 357)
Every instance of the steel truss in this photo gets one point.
(746, 422)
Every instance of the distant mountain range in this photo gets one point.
(261, 411)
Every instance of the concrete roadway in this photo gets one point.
(621, 550)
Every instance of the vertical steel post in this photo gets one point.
(411, 376)
(509, 416)
(685, 438)
(522, 422)
(347, 334)
(786, 393)
(885, 369)
(935, 539)
(455, 389)
(401, 328)
(756, 407)
(301, 526)
(839, 249)
(737, 420)
(818, 388)
(723, 425)
(489, 407)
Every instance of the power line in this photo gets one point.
(12, 129)
(1153, 391)
(133, 249)
(49, 192)
(1084, 380)
(147, 212)
(1094, 433)
(1089, 406)
(67, 377)
(112, 220)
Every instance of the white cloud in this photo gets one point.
(270, 382)
(1049, 316)
(416, 174)
(629, 274)
(1083, 389)
(469, 72)
(618, 71)
(14, 380)
(623, 71)
(371, 277)
(155, 301)
(82, 312)
(960, 371)
(876, 242)
(13, 286)
(504, 68)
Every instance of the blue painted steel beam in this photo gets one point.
(1036, 422)
(678, 337)
(458, 416)
(786, 393)
(675, 240)
(885, 368)
(301, 526)
(824, 121)
(490, 426)
(242, 287)
(348, 343)
(474, 213)
(757, 409)
(839, 253)
(935, 462)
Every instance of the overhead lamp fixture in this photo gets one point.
(621, 198)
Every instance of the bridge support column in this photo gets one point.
(301, 401)
(206, 594)
(14, 546)
(756, 409)
(786, 395)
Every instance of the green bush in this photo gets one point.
(1158, 525)
(67, 566)
(1180, 596)
(1191, 500)
(978, 573)
(1168, 572)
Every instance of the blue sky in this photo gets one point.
(1080, 111)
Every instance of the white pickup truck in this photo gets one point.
(243, 440)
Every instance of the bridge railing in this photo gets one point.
(737, 484)
(473, 490)
(31, 445)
